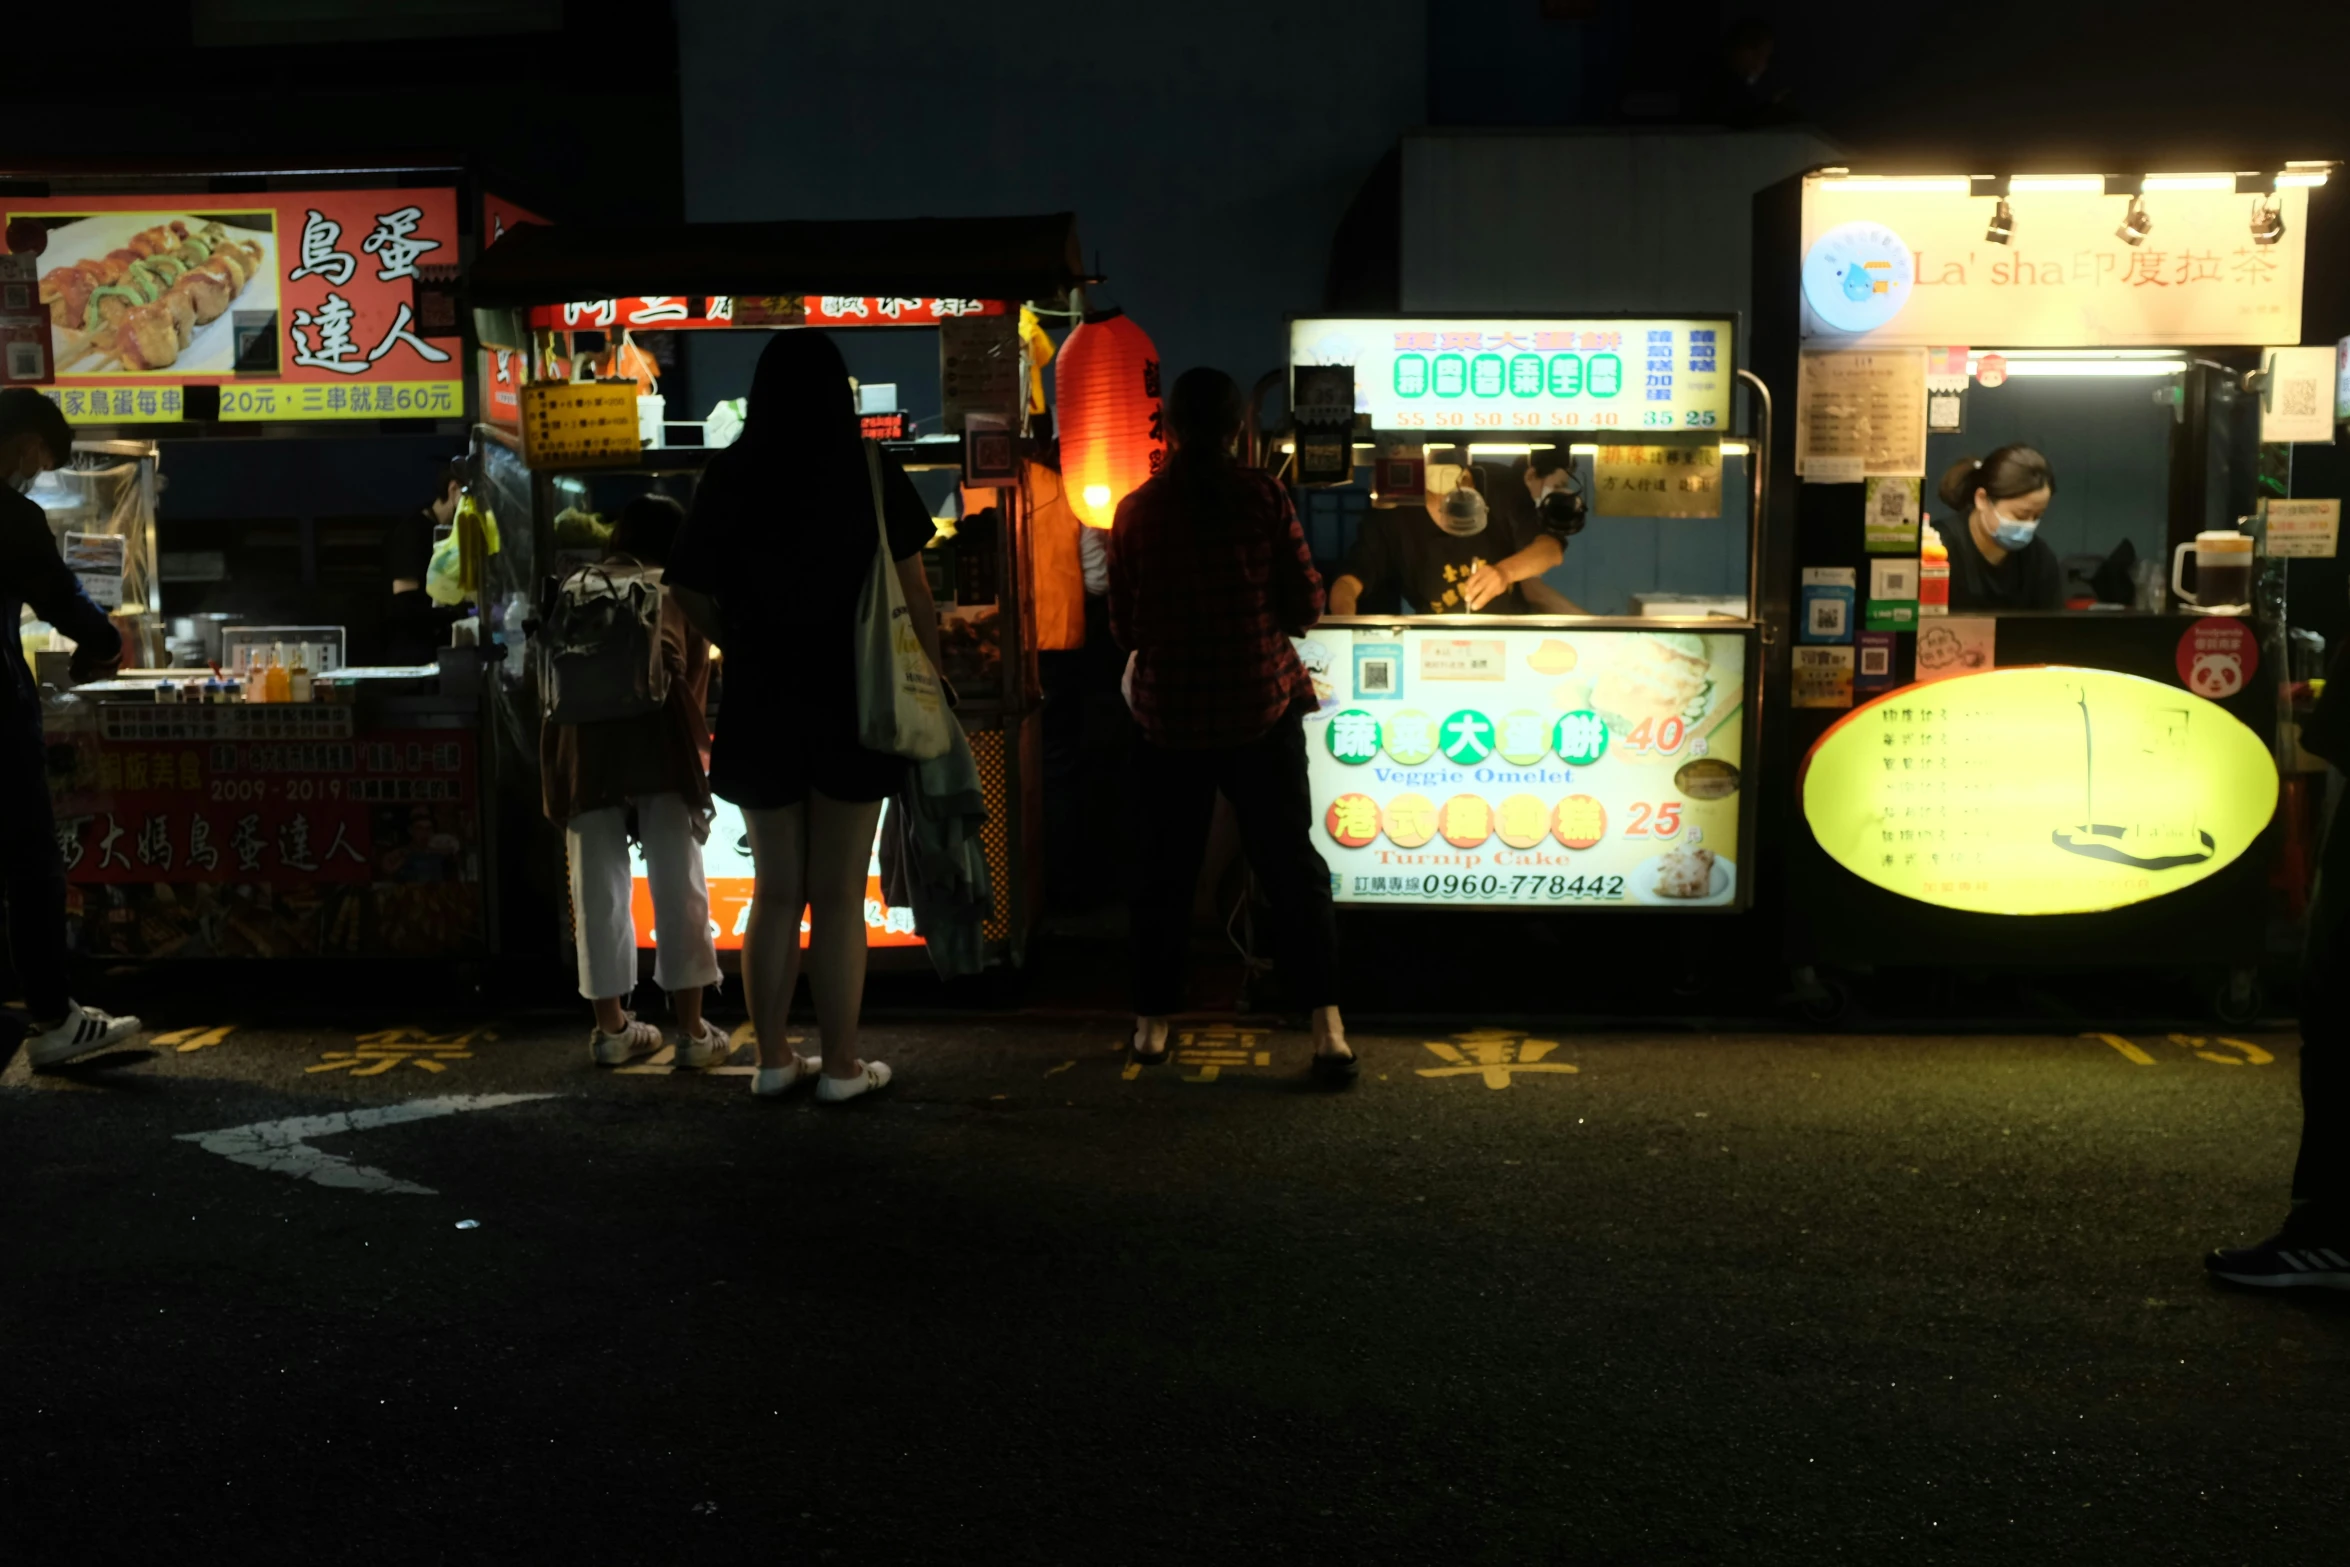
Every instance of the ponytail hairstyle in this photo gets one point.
(2007, 473)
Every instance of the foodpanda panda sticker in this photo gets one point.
(2218, 657)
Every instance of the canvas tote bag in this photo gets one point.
(900, 708)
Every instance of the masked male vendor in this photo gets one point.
(1452, 558)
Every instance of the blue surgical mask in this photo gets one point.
(2013, 533)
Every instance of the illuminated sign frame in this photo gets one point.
(2037, 790)
(1487, 375)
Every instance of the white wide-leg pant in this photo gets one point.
(685, 956)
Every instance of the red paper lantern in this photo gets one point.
(1106, 378)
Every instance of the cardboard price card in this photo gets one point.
(1535, 766)
(298, 305)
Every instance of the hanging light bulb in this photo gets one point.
(1106, 408)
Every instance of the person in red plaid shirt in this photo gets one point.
(1210, 577)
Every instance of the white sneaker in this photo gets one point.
(85, 1031)
(837, 1090)
(634, 1039)
(769, 1082)
(709, 1048)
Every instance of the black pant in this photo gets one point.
(31, 871)
(1174, 800)
(2321, 1175)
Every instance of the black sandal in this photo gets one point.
(1336, 1071)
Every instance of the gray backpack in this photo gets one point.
(600, 646)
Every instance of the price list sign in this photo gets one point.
(1487, 376)
(2038, 791)
(1528, 766)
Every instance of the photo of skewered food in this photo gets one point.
(137, 292)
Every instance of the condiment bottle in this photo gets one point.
(298, 685)
(255, 682)
(1933, 574)
(281, 681)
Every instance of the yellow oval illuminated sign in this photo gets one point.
(2038, 791)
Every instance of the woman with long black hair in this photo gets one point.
(1210, 576)
(771, 565)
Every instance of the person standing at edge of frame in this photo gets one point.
(1210, 577)
(34, 438)
(2312, 1248)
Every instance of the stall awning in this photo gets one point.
(1013, 258)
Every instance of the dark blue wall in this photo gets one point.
(1207, 150)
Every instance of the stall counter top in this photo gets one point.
(1542, 622)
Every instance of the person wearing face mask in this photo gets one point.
(1997, 560)
(34, 438)
(1552, 510)
(1431, 560)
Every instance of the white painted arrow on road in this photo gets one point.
(284, 1146)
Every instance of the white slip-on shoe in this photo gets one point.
(770, 1082)
(839, 1090)
(634, 1039)
(85, 1031)
(711, 1047)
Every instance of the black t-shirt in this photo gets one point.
(1405, 551)
(31, 572)
(2030, 578)
(787, 569)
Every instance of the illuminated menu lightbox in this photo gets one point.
(2038, 791)
(1495, 376)
(1497, 765)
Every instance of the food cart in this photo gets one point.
(2085, 788)
(260, 370)
(1556, 763)
(965, 280)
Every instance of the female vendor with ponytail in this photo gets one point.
(1996, 560)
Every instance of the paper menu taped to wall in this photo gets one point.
(2309, 529)
(98, 559)
(1866, 409)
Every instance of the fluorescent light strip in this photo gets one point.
(2300, 181)
(2089, 367)
(2084, 353)
(2226, 182)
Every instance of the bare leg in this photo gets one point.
(839, 848)
(610, 1017)
(1330, 1033)
(771, 947)
(687, 1004)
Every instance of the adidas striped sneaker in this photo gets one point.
(85, 1031)
(2274, 1264)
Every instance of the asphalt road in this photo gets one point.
(1655, 1299)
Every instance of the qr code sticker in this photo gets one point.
(1378, 675)
(2300, 399)
(24, 361)
(1876, 661)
